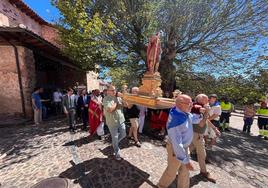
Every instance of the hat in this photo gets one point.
(213, 96)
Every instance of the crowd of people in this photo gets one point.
(191, 125)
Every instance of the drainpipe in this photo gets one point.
(19, 77)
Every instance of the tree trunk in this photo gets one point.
(168, 75)
(166, 67)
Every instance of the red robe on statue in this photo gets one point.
(95, 116)
(153, 52)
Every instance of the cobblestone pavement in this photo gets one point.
(36, 153)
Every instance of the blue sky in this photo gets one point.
(44, 9)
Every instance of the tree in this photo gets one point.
(83, 31)
(129, 75)
(209, 31)
(237, 88)
(214, 32)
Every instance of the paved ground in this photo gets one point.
(36, 153)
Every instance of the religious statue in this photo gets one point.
(153, 54)
(150, 93)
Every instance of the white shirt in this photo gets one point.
(142, 109)
(215, 110)
(57, 96)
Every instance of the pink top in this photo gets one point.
(249, 111)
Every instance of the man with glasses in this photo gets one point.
(201, 111)
(114, 118)
(180, 133)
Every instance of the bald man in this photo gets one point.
(180, 133)
(199, 128)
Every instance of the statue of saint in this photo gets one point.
(153, 53)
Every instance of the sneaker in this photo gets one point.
(72, 130)
(265, 138)
(118, 158)
(227, 130)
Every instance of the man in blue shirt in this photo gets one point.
(37, 105)
(180, 133)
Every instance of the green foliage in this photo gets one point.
(129, 75)
(213, 35)
(238, 89)
(83, 32)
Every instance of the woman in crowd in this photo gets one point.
(249, 113)
(133, 115)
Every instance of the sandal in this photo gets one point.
(130, 138)
(208, 176)
(138, 144)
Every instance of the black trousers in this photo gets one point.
(84, 113)
(58, 108)
(247, 124)
(216, 123)
(263, 123)
(225, 117)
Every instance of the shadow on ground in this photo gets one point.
(18, 140)
(149, 137)
(237, 146)
(107, 172)
(237, 150)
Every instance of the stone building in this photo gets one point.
(30, 56)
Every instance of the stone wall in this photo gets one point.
(10, 93)
(11, 16)
(16, 16)
(51, 34)
(10, 98)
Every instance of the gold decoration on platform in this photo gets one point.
(151, 85)
(150, 102)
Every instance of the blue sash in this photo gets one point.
(176, 118)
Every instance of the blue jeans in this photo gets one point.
(118, 132)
